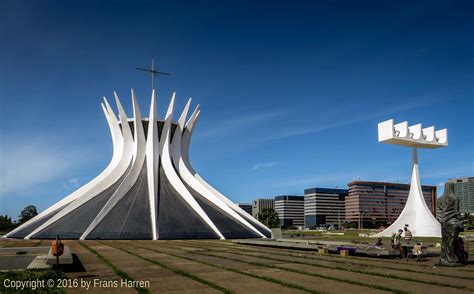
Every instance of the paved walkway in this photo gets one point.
(17, 258)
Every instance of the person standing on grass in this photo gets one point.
(408, 235)
(417, 250)
(398, 238)
(379, 243)
(396, 243)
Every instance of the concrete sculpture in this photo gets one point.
(415, 213)
(449, 216)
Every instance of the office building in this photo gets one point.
(261, 203)
(464, 189)
(380, 203)
(247, 207)
(324, 207)
(290, 210)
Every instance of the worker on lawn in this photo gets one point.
(408, 235)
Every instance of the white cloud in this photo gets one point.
(25, 164)
(264, 165)
(74, 181)
(451, 173)
(325, 179)
(228, 125)
(340, 179)
(72, 184)
(352, 119)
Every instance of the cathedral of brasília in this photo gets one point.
(149, 190)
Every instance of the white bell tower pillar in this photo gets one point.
(416, 213)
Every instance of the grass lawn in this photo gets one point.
(215, 266)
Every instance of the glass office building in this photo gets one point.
(464, 189)
(324, 207)
(290, 210)
(381, 202)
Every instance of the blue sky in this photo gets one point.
(291, 92)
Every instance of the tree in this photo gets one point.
(349, 225)
(6, 223)
(470, 221)
(27, 213)
(269, 218)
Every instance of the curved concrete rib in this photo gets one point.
(118, 165)
(188, 177)
(152, 159)
(185, 165)
(173, 178)
(186, 138)
(138, 160)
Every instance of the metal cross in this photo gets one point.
(151, 70)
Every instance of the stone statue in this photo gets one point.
(448, 214)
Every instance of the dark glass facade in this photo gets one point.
(324, 207)
(130, 218)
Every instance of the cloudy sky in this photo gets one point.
(291, 91)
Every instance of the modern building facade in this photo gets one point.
(260, 204)
(324, 207)
(247, 207)
(380, 203)
(290, 210)
(148, 191)
(464, 189)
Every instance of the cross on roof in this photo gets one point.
(152, 71)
